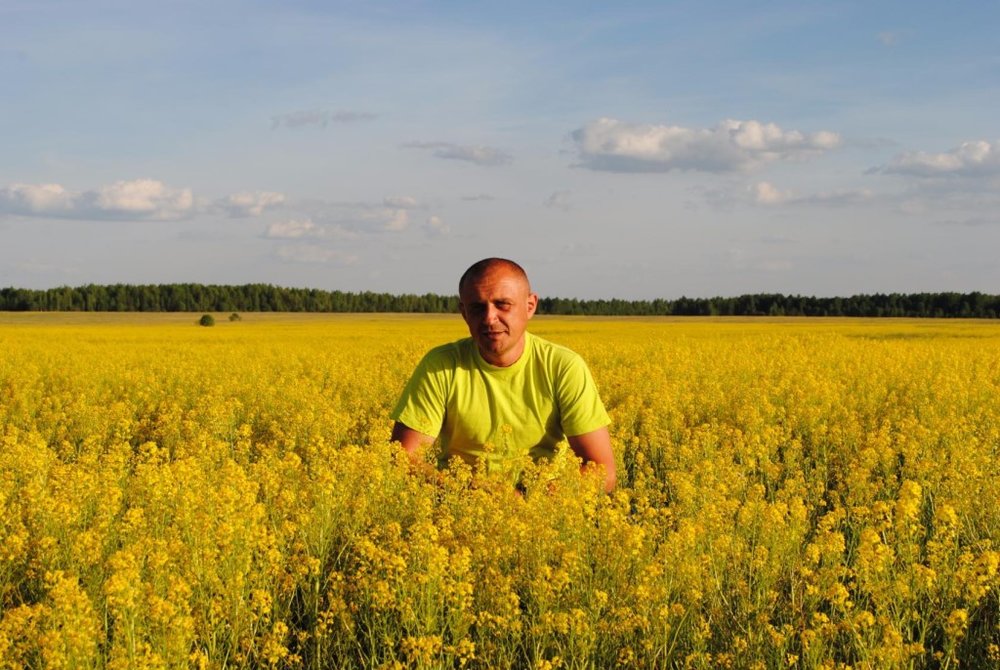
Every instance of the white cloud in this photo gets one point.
(970, 159)
(138, 199)
(477, 154)
(351, 219)
(393, 220)
(401, 202)
(291, 230)
(36, 199)
(559, 200)
(318, 117)
(765, 193)
(313, 253)
(615, 146)
(479, 196)
(249, 203)
(435, 226)
(839, 198)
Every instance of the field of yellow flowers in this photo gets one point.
(792, 493)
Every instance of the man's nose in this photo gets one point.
(491, 313)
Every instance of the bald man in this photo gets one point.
(503, 393)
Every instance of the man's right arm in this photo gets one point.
(413, 441)
(422, 403)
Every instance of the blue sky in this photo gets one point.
(634, 150)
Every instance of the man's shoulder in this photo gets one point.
(449, 355)
(553, 353)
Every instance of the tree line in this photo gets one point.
(269, 298)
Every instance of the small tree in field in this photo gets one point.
(235, 317)
(206, 320)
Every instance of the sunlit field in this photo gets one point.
(792, 493)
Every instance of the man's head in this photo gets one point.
(496, 302)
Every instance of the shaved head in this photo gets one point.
(496, 302)
(478, 270)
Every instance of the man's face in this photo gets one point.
(496, 308)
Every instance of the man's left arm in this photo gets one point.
(595, 447)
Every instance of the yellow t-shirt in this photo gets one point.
(498, 415)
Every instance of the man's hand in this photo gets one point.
(413, 443)
(595, 447)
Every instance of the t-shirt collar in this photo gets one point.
(511, 369)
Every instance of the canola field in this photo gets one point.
(792, 494)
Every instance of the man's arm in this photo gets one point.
(412, 441)
(595, 447)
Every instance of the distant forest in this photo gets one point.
(268, 298)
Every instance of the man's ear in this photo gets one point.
(461, 310)
(532, 304)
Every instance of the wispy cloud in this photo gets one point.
(480, 155)
(976, 222)
(391, 214)
(318, 117)
(559, 200)
(615, 146)
(767, 194)
(970, 159)
(138, 199)
(401, 202)
(249, 203)
(480, 196)
(434, 226)
(300, 229)
(292, 230)
(888, 38)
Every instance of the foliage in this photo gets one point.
(268, 298)
(814, 494)
(206, 320)
(235, 317)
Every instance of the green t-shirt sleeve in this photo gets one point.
(580, 405)
(421, 407)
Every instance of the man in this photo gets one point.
(503, 393)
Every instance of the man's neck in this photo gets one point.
(508, 358)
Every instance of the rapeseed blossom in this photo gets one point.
(792, 493)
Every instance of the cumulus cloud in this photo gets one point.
(559, 200)
(615, 146)
(434, 226)
(970, 159)
(249, 203)
(138, 199)
(318, 117)
(37, 199)
(313, 254)
(477, 154)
